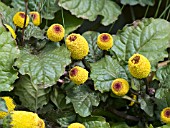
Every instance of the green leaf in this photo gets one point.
(88, 9)
(149, 37)
(8, 53)
(71, 22)
(121, 125)
(141, 2)
(94, 53)
(163, 74)
(104, 71)
(47, 8)
(160, 93)
(3, 106)
(46, 67)
(31, 95)
(33, 31)
(83, 99)
(58, 98)
(146, 104)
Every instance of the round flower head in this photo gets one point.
(134, 97)
(77, 45)
(139, 66)
(11, 31)
(18, 19)
(105, 41)
(10, 105)
(120, 87)
(78, 75)
(35, 18)
(165, 115)
(76, 125)
(55, 32)
(23, 119)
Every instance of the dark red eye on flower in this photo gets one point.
(57, 28)
(72, 38)
(104, 38)
(33, 16)
(117, 86)
(136, 59)
(73, 72)
(167, 113)
(22, 15)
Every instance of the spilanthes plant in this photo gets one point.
(77, 45)
(24, 119)
(10, 106)
(139, 66)
(11, 30)
(36, 19)
(78, 75)
(55, 32)
(120, 87)
(19, 18)
(105, 41)
(76, 125)
(165, 115)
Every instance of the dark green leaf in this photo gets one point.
(31, 95)
(94, 53)
(8, 53)
(163, 74)
(146, 104)
(88, 9)
(83, 99)
(121, 125)
(3, 106)
(46, 67)
(46, 8)
(104, 71)
(149, 37)
(141, 2)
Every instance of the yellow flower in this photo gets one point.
(18, 19)
(11, 31)
(105, 41)
(77, 45)
(78, 75)
(120, 87)
(55, 32)
(165, 115)
(76, 125)
(35, 18)
(139, 66)
(10, 105)
(23, 119)
(134, 97)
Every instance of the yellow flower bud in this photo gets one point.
(78, 75)
(77, 45)
(76, 125)
(120, 87)
(134, 97)
(105, 41)
(35, 18)
(11, 31)
(165, 115)
(18, 19)
(10, 105)
(139, 66)
(55, 32)
(24, 119)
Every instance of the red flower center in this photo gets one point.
(57, 29)
(72, 38)
(73, 72)
(22, 15)
(104, 38)
(117, 86)
(34, 16)
(167, 113)
(136, 59)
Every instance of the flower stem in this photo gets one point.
(146, 11)
(159, 4)
(26, 7)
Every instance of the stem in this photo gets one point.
(26, 7)
(166, 6)
(132, 13)
(124, 115)
(168, 15)
(164, 11)
(62, 17)
(146, 11)
(159, 4)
